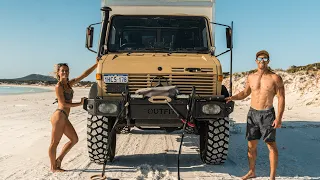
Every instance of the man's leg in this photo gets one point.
(273, 156)
(252, 156)
(269, 136)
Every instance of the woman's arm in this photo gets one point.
(84, 74)
(62, 101)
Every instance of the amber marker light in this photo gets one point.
(98, 76)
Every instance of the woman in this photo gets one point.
(59, 120)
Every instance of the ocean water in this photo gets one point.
(7, 90)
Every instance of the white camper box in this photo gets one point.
(163, 7)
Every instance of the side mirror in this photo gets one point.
(89, 37)
(229, 37)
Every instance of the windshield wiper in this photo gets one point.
(142, 50)
(166, 50)
(194, 50)
(157, 49)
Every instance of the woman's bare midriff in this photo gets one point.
(66, 109)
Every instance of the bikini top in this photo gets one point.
(67, 95)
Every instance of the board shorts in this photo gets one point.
(259, 125)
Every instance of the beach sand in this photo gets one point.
(25, 133)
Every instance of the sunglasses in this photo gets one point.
(262, 59)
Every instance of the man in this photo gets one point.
(263, 85)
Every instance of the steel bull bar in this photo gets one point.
(165, 111)
(175, 111)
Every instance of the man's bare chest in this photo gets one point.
(262, 84)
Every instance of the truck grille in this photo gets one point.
(204, 83)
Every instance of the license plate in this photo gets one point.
(116, 78)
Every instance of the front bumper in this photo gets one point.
(154, 111)
(93, 106)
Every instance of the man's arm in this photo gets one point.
(281, 96)
(243, 94)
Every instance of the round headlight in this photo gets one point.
(107, 108)
(211, 109)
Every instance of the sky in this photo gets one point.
(35, 35)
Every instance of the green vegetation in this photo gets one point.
(38, 79)
(309, 67)
(293, 69)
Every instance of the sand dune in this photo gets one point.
(25, 132)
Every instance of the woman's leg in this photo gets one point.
(58, 124)
(70, 132)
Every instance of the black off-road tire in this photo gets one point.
(191, 130)
(98, 132)
(214, 141)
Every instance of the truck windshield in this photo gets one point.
(186, 34)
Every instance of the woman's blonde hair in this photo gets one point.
(57, 68)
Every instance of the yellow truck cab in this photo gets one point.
(158, 69)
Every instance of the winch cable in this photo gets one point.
(102, 176)
(125, 105)
(180, 148)
(185, 123)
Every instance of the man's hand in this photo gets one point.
(276, 123)
(228, 99)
